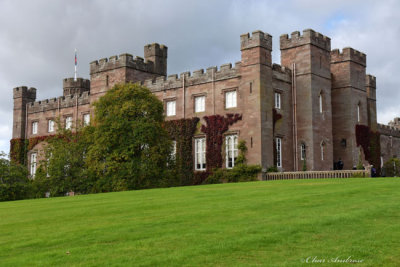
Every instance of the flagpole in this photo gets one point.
(76, 61)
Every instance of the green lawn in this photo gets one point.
(267, 223)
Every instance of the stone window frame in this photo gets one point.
(48, 124)
(278, 160)
(322, 147)
(33, 166)
(203, 136)
(83, 118)
(194, 96)
(228, 90)
(36, 122)
(280, 92)
(358, 112)
(65, 117)
(303, 147)
(165, 103)
(225, 148)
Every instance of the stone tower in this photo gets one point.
(22, 96)
(349, 101)
(257, 92)
(370, 86)
(308, 56)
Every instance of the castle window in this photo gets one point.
(171, 108)
(322, 150)
(320, 103)
(68, 123)
(231, 142)
(230, 99)
(199, 103)
(303, 151)
(200, 153)
(173, 150)
(278, 142)
(50, 126)
(86, 119)
(33, 164)
(34, 127)
(277, 100)
(358, 112)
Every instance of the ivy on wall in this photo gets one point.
(370, 143)
(20, 147)
(216, 126)
(18, 150)
(182, 132)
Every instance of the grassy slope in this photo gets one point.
(258, 223)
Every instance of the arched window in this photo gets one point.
(320, 102)
(322, 150)
(358, 112)
(303, 151)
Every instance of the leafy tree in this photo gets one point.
(130, 147)
(64, 169)
(392, 167)
(14, 182)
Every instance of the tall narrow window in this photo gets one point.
(278, 152)
(322, 150)
(303, 151)
(171, 108)
(358, 112)
(200, 153)
(173, 150)
(33, 164)
(320, 103)
(277, 100)
(230, 99)
(86, 119)
(231, 142)
(51, 126)
(68, 123)
(200, 104)
(34, 127)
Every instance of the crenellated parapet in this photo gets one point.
(24, 92)
(226, 71)
(388, 130)
(281, 73)
(348, 54)
(123, 60)
(256, 39)
(370, 81)
(59, 102)
(78, 86)
(309, 37)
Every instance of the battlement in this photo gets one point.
(59, 102)
(309, 37)
(226, 71)
(281, 73)
(123, 60)
(388, 130)
(256, 39)
(155, 49)
(70, 86)
(281, 69)
(348, 54)
(370, 81)
(24, 92)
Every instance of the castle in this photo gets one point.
(301, 113)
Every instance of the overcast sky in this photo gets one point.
(38, 38)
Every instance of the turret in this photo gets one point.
(22, 96)
(71, 87)
(158, 55)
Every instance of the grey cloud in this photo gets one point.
(37, 38)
